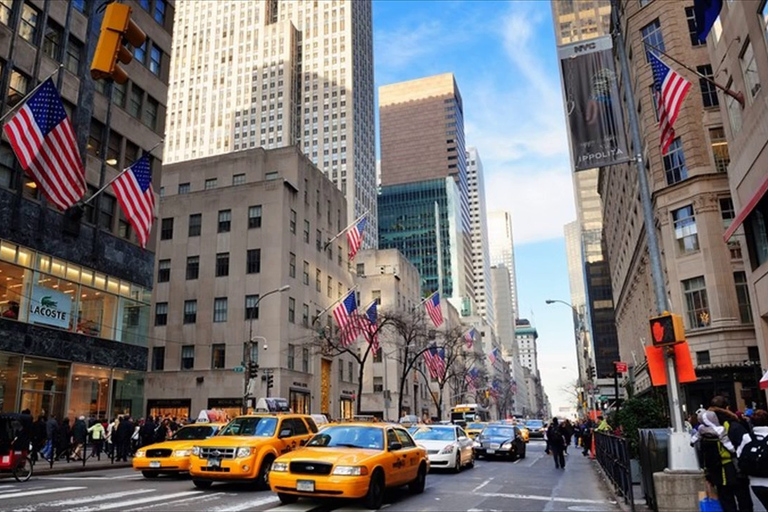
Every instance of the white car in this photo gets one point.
(448, 446)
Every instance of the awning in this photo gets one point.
(764, 381)
(744, 213)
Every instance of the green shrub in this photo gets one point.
(637, 413)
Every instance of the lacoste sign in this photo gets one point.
(50, 307)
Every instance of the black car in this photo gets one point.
(536, 428)
(501, 441)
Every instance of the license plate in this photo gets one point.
(305, 485)
(490, 451)
(154, 464)
(214, 463)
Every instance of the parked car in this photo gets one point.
(172, 456)
(448, 446)
(498, 440)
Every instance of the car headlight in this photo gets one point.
(195, 450)
(279, 467)
(139, 453)
(448, 449)
(475, 444)
(182, 453)
(507, 445)
(350, 470)
(243, 452)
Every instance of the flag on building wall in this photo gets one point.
(471, 379)
(432, 305)
(435, 359)
(494, 355)
(371, 315)
(495, 389)
(348, 319)
(44, 142)
(706, 13)
(133, 190)
(469, 337)
(355, 237)
(670, 89)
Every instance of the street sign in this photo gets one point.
(238, 369)
(602, 398)
(621, 366)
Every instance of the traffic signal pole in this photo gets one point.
(681, 455)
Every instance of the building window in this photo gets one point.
(225, 221)
(702, 357)
(690, 16)
(305, 315)
(351, 371)
(251, 307)
(305, 360)
(163, 271)
(749, 69)
(727, 211)
(377, 358)
(254, 217)
(72, 60)
(329, 289)
(218, 356)
(376, 295)
(292, 310)
(318, 240)
(291, 265)
(318, 279)
(341, 371)
(29, 20)
(708, 90)
(291, 356)
(734, 111)
(161, 313)
(155, 60)
(52, 40)
(150, 113)
(686, 233)
(195, 224)
(190, 311)
(305, 277)
(183, 188)
(222, 264)
(158, 358)
(674, 163)
(238, 179)
(378, 385)
(210, 183)
(753, 354)
(652, 36)
(140, 53)
(135, 99)
(18, 88)
(292, 224)
(270, 176)
(253, 261)
(719, 148)
(107, 205)
(360, 269)
(159, 14)
(166, 229)
(220, 309)
(306, 231)
(742, 294)
(6, 8)
(187, 357)
(193, 267)
(697, 305)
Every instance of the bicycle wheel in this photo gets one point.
(23, 469)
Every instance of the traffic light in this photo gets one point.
(116, 29)
(270, 381)
(253, 370)
(592, 372)
(667, 329)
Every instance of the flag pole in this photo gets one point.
(417, 306)
(110, 182)
(30, 93)
(334, 303)
(738, 96)
(329, 242)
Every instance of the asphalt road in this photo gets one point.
(531, 484)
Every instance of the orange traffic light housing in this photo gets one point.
(667, 329)
(116, 29)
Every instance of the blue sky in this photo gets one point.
(504, 58)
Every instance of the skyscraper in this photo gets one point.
(502, 250)
(479, 224)
(273, 74)
(423, 163)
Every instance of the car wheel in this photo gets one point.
(287, 499)
(202, 484)
(417, 486)
(457, 468)
(150, 474)
(262, 480)
(375, 496)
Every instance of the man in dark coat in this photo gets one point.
(79, 436)
(39, 437)
(124, 433)
(556, 443)
(147, 431)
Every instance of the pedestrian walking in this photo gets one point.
(38, 437)
(567, 429)
(125, 431)
(556, 442)
(79, 436)
(586, 437)
(753, 455)
(51, 426)
(63, 440)
(148, 431)
(97, 436)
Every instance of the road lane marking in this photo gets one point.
(25, 493)
(83, 499)
(482, 485)
(197, 499)
(248, 504)
(556, 499)
(127, 504)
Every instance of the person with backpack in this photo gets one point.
(753, 456)
(556, 443)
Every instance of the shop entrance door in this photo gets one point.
(39, 402)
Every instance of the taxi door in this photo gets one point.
(397, 462)
(290, 435)
(411, 452)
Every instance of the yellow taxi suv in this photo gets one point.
(351, 460)
(244, 450)
(474, 427)
(172, 456)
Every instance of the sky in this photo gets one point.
(503, 56)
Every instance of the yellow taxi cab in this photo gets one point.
(351, 460)
(244, 450)
(524, 432)
(474, 427)
(172, 456)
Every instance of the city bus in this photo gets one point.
(467, 413)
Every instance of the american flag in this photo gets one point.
(435, 359)
(433, 309)
(513, 386)
(355, 237)
(495, 389)
(371, 315)
(471, 379)
(348, 319)
(469, 337)
(44, 142)
(494, 355)
(670, 89)
(133, 190)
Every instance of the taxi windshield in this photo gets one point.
(534, 423)
(196, 432)
(434, 434)
(499, 432)
(475, 426)
(250, 426)
(349, 437)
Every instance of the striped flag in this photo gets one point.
(494, 355)
(355, 237)
(471, 379)
(371, 315)
(44, 142)
(133, 190)
(435, 359)
(433, 309)
(670, 89)
(469, 337)
(348, 319)
(495, 389)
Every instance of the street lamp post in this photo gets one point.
(580, 331)
(247, 344)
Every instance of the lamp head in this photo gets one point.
(284, 288)
(549, 301)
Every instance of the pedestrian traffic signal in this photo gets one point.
(270, 382)
(253, 370)
(592, 372)
(117, 29)
(667, 329)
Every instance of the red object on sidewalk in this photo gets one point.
(592, 449)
